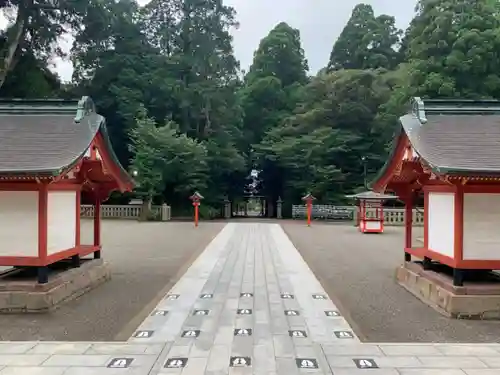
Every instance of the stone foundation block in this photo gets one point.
(28, 296)
(468, 302)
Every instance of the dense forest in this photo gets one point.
(183, 114)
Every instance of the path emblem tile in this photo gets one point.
(201, 312)
(344, 334)
(246, 295)
(207, 296)
(365, 363)
(297, 333)
(171, 297)
(306, 363)
(240, 362)
(159, 313)
(176, 363)
(243, 332)
(244, 311)
(332, 313)
(120, 363)
(143, 334)
(191, 333)
(287, 296)
(291, 313)
(319, 296)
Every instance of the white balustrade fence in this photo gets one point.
(392, 216)
(126, 211)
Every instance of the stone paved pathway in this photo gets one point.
(248, 305)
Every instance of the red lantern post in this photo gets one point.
(196, 198)
(308, 198)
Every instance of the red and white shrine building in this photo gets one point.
(370, 212)
(52, 153)
(449, 152)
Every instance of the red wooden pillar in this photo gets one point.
(97, 226)
(42, 271)
(458, 253)
(78, 216)
(408, 224)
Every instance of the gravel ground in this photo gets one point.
(146, 260)
(357, 271)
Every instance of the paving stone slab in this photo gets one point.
(25, 370)
(248, 268)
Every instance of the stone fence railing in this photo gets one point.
(392, 216)
(126, 211)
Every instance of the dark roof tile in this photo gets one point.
(456, 136)
(48, 143)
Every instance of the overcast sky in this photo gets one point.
(319, 21)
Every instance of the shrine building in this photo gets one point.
(52, 152)
(449, 152)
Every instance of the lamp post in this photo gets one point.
(196, 198)
(308, 198)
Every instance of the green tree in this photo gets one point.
(319, 148)
(366, 42)
(31, 78)
(280, 55)
(454, 48)
(165, 159)
(34, 27)
(269, 96)
(115, 64)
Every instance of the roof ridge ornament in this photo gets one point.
(418, 109)
(85, 107)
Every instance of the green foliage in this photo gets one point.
(367, 42)
(319, 148)
(166, 159)
(454, 48)
(165, 77)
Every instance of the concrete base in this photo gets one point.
(475, 300)
(20, 292)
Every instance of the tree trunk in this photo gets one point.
(145, 209)
(15, 37)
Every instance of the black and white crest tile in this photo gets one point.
(292, 313)
(176, 363)
(343, 334)
(143, 334)
(287, 296)
(332, 313)
(246, 295)
(207, 296)
(191, 333)
(243, 332)
(306, 363)
(201, 312)
(297, 333)
(159, 313)
(244, 311)
(240, 362)
(319, 296)
(120, 362)
(171, 297)
(365, 363)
